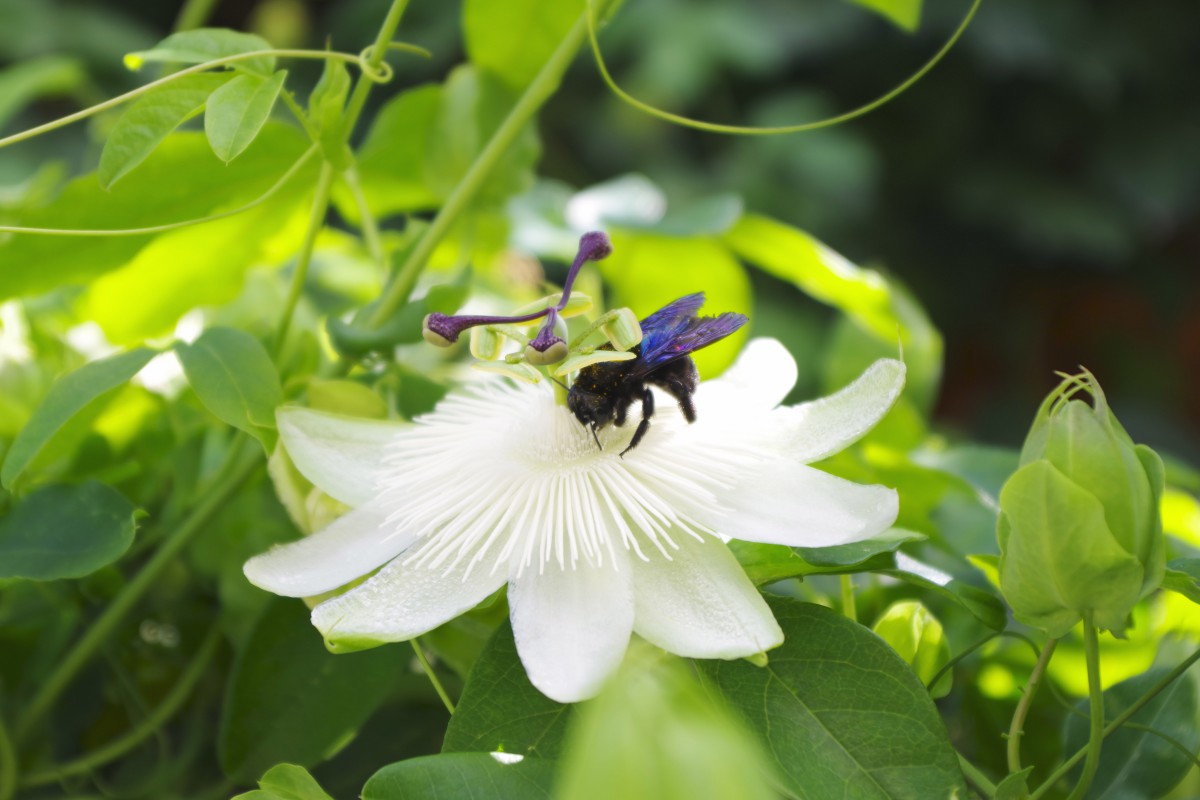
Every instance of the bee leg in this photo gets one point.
(596, 438)
(680, 381)
(644, 425)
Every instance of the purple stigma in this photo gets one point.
(593, 246)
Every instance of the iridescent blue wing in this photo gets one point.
(686, 306)
(666, 343)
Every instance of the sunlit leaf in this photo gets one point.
(65, 532)
(905, 14)
(92, 383)
(147, 122)
(286, 782)
(500, 710)
(1136, 764)
(647, 271)
(473, 104)
(767, 563)
(881, 310)
(649, 731)
(1183, 577)
(842, 555)
(207, 44)
(288, 699)
(233, 376)
(840, 712)
(237, 111)
(181, 180)
(478, 776)
(513, 39)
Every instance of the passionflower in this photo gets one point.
(501, 484)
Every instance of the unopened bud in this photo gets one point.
(542, 352)
(440, 330)
(917, 636)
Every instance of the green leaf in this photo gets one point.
(1136, 764)
(767, 563)
(880, 310)
(290, 700)
(845, 555)
(147, 122)
(286, 782)
(65, 532)
(1183, 577)
(979, 603)
(647, 271)
(1015, 786)
(180, 181)
(26, 81)
(655, 732)
(207, 44)
(92, 383)
(392, 156)
(840, 712)
(513, 39)
(234, 377)
(477, 776)
(501, 711)
(905, 14)
(404, 327)
(237, 111)
(473, 104)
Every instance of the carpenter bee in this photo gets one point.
(602, 393)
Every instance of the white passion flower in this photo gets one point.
(501, 484)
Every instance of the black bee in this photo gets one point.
(602, 393)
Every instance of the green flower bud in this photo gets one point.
(486, 343)
(917, 636)
(1080, 528)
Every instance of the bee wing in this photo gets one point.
(686, 306)
(663, 345)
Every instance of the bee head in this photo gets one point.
(591, 409)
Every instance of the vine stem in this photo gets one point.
(241, 463)
(362, 88)
(316, 221)
(849, 607)
(319, 55)
(1017, 729)
(163, 712)
(367, 221)
(433, 678)
(976, 776)
(1091, 647)
(193, 14)
(1117, 722)
(535, 95)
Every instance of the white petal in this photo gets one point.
(811, 431)
(403, 601)
(761, 377)
(701, 604)
(572, 625)
(781, 502)
(340, 455)
(356, 543)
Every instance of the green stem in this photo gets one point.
(849, 608)
(1091, 647)
(535, 95)
(952, 663)
(362, 88)
(241, 463)
(316, 221)
(1017, 728)
(193, 14)
(370, 227)
(370, 73)
(433, 678)
(1117, 722)
(976, 776)
(8, 764)
(148, 727)
(170, 226)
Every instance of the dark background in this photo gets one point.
(1038, 191)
